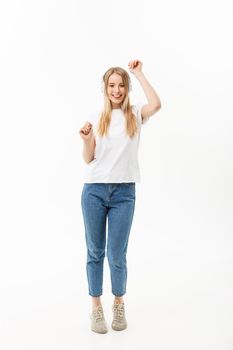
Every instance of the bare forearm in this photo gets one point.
(151, 95)
(89, 150)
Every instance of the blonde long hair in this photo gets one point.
(105, 116)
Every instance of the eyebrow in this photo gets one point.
(115, 83)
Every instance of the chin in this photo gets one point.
(118, 102)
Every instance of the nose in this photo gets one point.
(116, 89)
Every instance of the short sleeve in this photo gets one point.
(137, 110)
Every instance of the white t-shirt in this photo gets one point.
(116, 155)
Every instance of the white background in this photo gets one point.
(180, 261)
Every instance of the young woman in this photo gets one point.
(108, 196)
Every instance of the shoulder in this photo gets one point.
(93, 117)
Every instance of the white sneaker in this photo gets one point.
(98, 323)
(119, 322)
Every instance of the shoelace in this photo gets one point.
(98, 315)
(118, 311)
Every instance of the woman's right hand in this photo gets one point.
(86, 132)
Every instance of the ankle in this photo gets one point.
(118, 300)
(96, 302)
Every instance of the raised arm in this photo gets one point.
(154, 103)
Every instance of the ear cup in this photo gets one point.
(102, 86)
(130, 85)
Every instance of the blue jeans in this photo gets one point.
(110, 204)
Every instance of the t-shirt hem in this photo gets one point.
(112, 181)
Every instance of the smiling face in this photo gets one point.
(116, 90)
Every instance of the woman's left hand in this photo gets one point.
(135, 66)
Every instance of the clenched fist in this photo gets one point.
(86, 132)
(135, 66)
